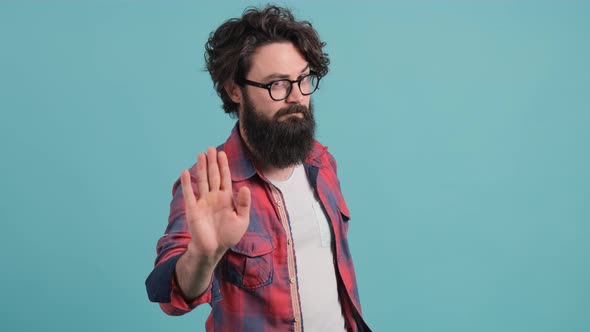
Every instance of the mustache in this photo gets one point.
(292, 109)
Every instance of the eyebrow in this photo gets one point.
(282, 76)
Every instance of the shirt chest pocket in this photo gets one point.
(249, 264)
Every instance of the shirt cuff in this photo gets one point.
(178, 300)
(162, 287)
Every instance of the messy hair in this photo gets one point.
(230, 48)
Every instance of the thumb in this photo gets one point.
(243, 202)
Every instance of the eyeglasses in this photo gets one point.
(281, 89)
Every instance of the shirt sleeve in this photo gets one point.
(161, 284)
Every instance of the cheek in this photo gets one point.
(259, 96)
(306, 101)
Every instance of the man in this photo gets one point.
(258, 226)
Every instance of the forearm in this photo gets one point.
(194, 273)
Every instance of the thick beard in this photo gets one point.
(279, 143)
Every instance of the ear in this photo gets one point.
(234, 91)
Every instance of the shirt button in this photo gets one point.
(297, 320)
(278, 202)
(292, 280)
(288, 242)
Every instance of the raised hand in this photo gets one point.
(214, 220)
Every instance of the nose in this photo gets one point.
(295, 97)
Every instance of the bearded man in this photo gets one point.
(258, 226)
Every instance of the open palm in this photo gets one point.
(215, 221)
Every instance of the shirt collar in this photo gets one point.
(240, 160)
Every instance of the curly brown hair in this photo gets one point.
(229, 48)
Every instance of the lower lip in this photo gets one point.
(299, 115)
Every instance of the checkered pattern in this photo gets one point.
(250, 290)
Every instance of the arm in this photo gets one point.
(202, 227)
(162, 284)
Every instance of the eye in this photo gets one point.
(279, 84)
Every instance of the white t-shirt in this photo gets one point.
(316, 275)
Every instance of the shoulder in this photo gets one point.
(324, 156)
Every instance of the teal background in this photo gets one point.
(460, 128)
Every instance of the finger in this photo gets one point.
(212, 169)
(202, 181)
(187, 191)
(224, 171)
(243, 202)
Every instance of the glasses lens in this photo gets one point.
(309, 84)
(280, 89)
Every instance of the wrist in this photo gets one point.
(201, 260)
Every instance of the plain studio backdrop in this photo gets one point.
(460, 130)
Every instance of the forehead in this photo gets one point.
(276, 59)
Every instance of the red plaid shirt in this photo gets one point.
(254, 287)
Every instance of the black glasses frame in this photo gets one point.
(268, 86)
